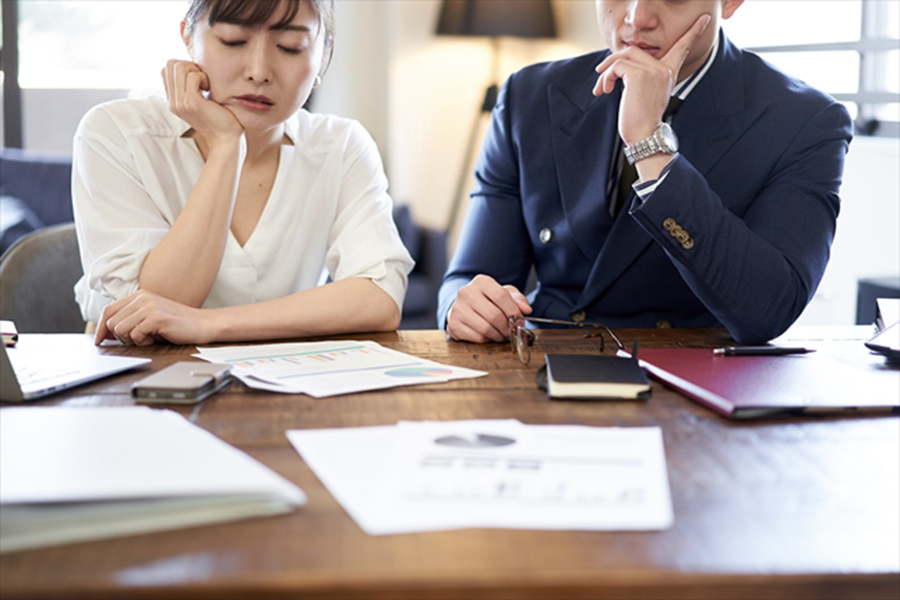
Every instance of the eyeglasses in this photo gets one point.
(521, 340)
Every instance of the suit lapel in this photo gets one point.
(712, 118)
(580, 131)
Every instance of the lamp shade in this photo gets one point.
(494, 18)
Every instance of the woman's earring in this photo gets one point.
(317, 81)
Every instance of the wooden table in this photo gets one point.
(786, 508)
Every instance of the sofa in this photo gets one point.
(35, 192)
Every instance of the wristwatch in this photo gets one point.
(663, 141)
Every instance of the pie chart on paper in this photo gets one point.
(418, 372)
(478, 440)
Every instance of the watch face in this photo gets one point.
(669, 139)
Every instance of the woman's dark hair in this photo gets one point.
(252, 13)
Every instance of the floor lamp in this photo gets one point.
(493, 19)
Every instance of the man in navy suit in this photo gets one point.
(729, 222)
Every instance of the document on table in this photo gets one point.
(75, 474)
(323, 369)
(449, 475)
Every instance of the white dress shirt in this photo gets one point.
(133, 172)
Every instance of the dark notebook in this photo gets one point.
(594, 376)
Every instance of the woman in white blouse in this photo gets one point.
(212, 216)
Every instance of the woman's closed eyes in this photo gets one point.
(282, 47)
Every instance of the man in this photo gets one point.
(730, 224)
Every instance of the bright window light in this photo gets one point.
(834, 72)
(848, 48)
(794, 22)
(105, 44)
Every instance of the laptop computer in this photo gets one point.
(36, 376)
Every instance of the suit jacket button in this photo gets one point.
(663, 324)
(546, 235)
(682, 236)
(688, 243)
(578, 316)
(669, 224)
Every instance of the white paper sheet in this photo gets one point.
(69, 474)
(449, 475)
(323, 369)
(60, 454)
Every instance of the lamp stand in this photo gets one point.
(487, 105)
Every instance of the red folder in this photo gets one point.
(742, 387)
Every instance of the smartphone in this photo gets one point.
(182, 383)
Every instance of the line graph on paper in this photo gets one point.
(326, 358)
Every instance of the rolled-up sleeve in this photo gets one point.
(116, 220)
(363, 240)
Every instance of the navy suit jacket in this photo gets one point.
(755, 186)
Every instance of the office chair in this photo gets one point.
(37, 275)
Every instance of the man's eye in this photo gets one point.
(233, 43)
(290, 50)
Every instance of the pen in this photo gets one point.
(759, 350)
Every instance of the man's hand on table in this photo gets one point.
(482, 310)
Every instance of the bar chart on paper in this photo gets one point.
(515, 475)
(289, 362)
(323, 369)
(436, 475)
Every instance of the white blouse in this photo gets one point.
(133, 173)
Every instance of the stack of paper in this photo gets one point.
(323, 369)
(433, 476)
(72, 474)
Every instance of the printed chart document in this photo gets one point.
(323, 369)
(449, 475)
(74, 474)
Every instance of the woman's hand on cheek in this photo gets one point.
(185, 83)
(145, 318)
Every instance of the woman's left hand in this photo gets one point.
(144, 318)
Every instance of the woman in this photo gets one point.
(211, 217)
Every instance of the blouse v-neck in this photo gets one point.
(285, 156)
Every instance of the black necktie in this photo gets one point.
(672, 108)
(629, 172)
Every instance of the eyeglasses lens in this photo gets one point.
(524, 342)
(514, 326)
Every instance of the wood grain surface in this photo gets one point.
(778, 508)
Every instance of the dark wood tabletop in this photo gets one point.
(779, 508)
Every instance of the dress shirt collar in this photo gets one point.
(684, 88)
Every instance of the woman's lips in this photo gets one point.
(256, 103)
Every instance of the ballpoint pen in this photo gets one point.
(760, 350)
